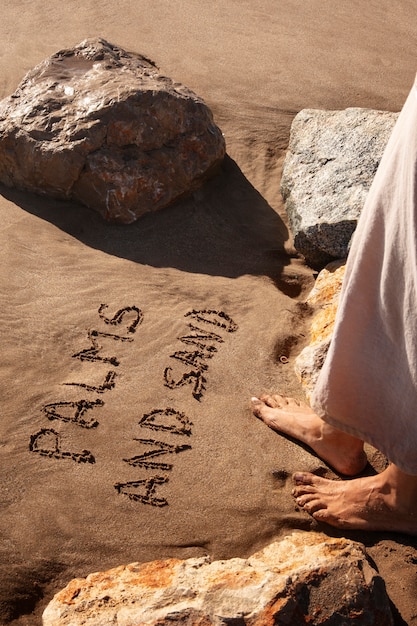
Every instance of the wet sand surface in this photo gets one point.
(160, 464)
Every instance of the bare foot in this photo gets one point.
(384, 502)
(296, 419)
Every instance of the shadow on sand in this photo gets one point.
(225, 228)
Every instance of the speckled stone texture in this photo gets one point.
(330, 164)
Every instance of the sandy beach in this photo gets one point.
(221, 261)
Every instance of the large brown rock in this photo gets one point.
(101, 125)
(307, 578)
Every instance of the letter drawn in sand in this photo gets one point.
(180, 425)
(121, 313)
(159, 448)
(168, 421)
(47, 442)
(108, 383)
(200, 337)
(73, 412)
(216, 318)
(204, 341)
(92, 353)
(148, 486)
(195, 358)
(195, 377)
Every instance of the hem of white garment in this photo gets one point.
(369, 439)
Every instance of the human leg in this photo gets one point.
(374, 336)
(383, 502)
(296, 419)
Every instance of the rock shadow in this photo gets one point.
(226, 228)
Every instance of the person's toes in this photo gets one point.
(294, 401)
(324, 515)
(316, 508)
(305, 499)
(306, 478)
(274, 402)
(303, 489)
(263, 411)
(257, 405)
(277, 401)
(310, 503)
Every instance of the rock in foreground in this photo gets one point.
(307, 578)
(329, 167)
(100, 125)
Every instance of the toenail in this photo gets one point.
(299, 478)
(254, 399)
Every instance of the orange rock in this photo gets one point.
(324, 299)
(306, 578)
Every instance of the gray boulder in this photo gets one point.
(101, 125)
(331, 160)
(306, 578)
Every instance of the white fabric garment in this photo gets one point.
(368, 384)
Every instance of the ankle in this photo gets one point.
(402, 488)
(341, 440)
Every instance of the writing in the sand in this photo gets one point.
(165, 421)
(154, 456)
(83, 412)
(204, 345)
